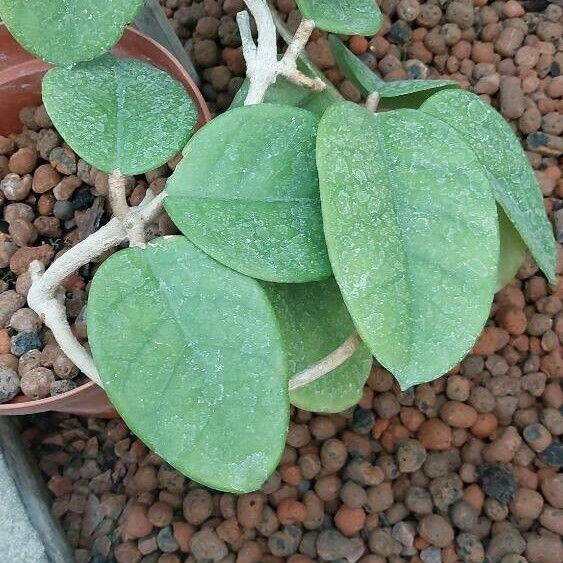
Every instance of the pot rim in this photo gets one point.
(10, 73)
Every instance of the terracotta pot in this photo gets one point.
(20, 86)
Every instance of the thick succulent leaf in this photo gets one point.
(512, 179)
(246, 192)
(119, 114)
(350, 17)
(412, 234)
(512, 250)
(411, 93)
(353, 68)
(64, 32)
(191, 356)
(314, 321)
(393, 95)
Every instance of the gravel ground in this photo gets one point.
(460, 469)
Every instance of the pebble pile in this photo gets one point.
(50, 199)
(466, 468)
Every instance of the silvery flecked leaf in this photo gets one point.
(314, 321)
(411, 229)
(513, 181)
(393, 95)
(191, 356)
(350, 17)
(246, 192)
(119, 114)
(64, 32)
(512, 250)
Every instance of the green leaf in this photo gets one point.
(287, 93)
(246, 192)
(349, 17)
(513, 181)
(64, 32)
(353, 68)
(284, 92)
(119, 114)
(512, 251)
(191, 356)
(314, 321)
(393, 95)
(412, 234)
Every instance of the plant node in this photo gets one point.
(130, 217)
(262, 62)
(46, 296)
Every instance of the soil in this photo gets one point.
(464, 468)
(50, 199)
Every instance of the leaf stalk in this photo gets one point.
(327, 364)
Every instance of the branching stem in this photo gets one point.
(261, 69)
(262, 62)
(46, 295)
(118, 201)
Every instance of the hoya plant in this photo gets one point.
(316, 234)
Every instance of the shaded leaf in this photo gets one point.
(191, 356)
(284, 92)
(350, 17)
(314, 321)
(64, 32)
(411, 228)
(513, 181)
(512, 251)
(119, 114)
(246, 192)
(396, 94)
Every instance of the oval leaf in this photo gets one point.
(396, 94)
(119, 114)
(512, 251)
(246, 192)
(350, 17)
(513, 181)
(412, 233)
(314, 321)
(191, 356)
(64, 32)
